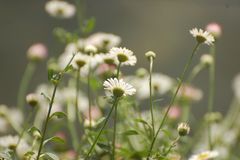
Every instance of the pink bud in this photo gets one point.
(174, 112)
(215, 29)
(37, 52)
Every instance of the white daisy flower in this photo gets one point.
(80, 60)
(202, 36)
(10, 142)
(161, 84)
(60, 9)
(206, 155)
(124, 56)
(109, 58)
(118, 88)
(103, 40)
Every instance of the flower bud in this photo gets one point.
(215, 29)
(150, 54)
(32, 99)
(141, 72)
(37, 52)
(206, 59)
(183, 129)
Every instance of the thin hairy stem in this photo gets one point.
(100, 132)
(211, 95)
(173, 98)
(46, 123)
(150, 94)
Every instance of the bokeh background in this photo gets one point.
(158, 25)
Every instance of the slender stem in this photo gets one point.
(172, 145)
(195, 72)
(24, 84)
(89, 96)
(77, 94)
(47, 119)
(114, 133)
(173, 97)
(118, 69)
(211, 93)
(100, 132)
(150, 93)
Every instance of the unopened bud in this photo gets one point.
(37, 52)
(32, 99)
(150, 54)
(183, 129)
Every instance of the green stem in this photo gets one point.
(196, 70)
(118, 70)
(89, 96)
(172, 146)
(173, 97)
(100, 132)
(25, 83)
(211, 93)
(114, 133)
(150, 92)
(47, 120)
(77, 94)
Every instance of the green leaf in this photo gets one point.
(105, 147)
(167, 133)
(58, 115)
(130, 132)
(143, 122)
(50, 74)
(34, 130)
(88, 25)
(68, 68)
(46, 97)
(54, 139)
(49, 156)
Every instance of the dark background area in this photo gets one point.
(158, 25)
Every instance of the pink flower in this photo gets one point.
(215, 29)
(37, 52)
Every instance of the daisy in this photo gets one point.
(206, 155)
(124, 56)
(10, 142)
(103, 40)
(202, 36)
(118, 88)
(60, 9)
(80, 60)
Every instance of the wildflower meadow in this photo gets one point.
(96, 106)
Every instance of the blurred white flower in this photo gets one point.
(124, 56)
(161, 84)
(236, 86)
(60, 9)
(206, 59)
(80, 60)
(10, 142)
(118, 88)
(206, 155)
(103, 40)
(190, 93)
(202, 36)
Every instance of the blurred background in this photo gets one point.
(158, 25)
